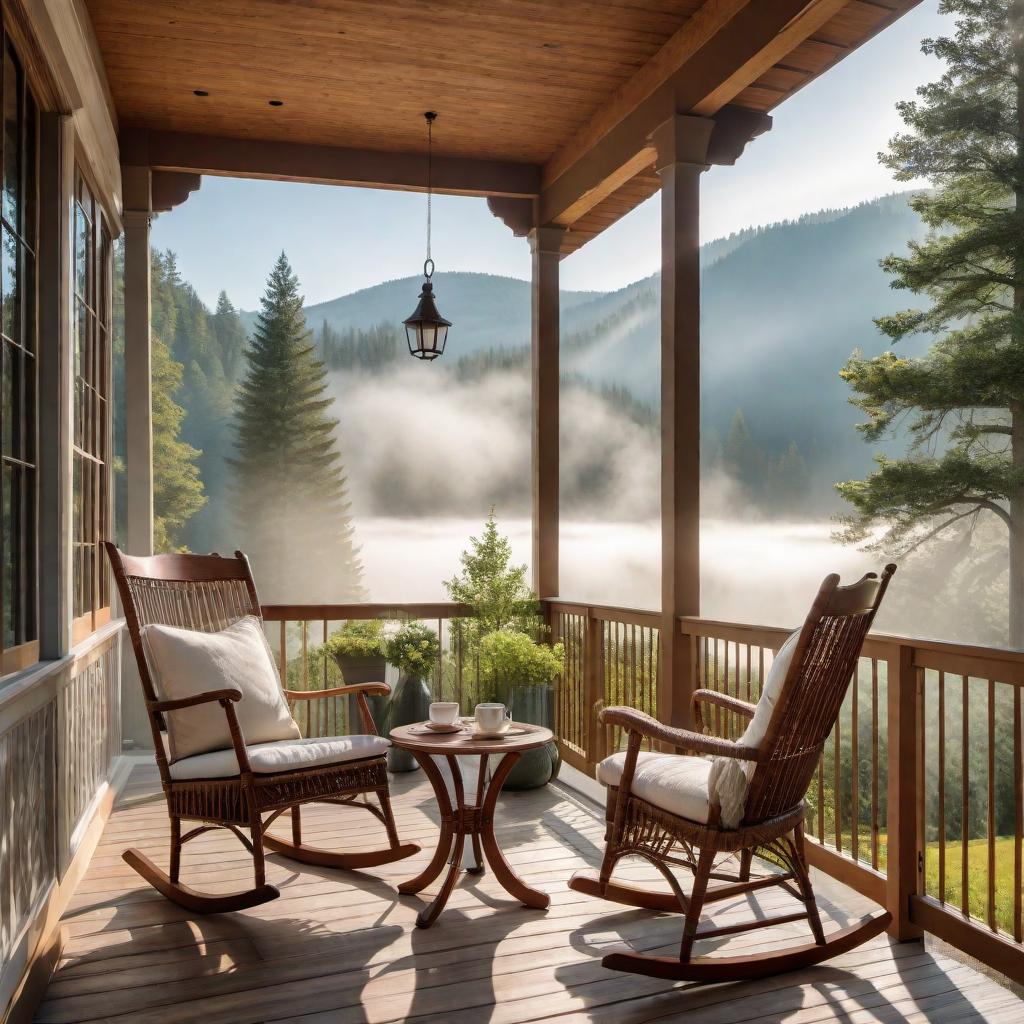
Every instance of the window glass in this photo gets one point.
(91, 481)
(18, 372)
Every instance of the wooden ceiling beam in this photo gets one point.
(722, 49)
(332, 165)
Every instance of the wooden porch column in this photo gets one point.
(545, 245)
(137, 184)
(682, 147)
(138, 211)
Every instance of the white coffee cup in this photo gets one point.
(492, 719)
(444, 713)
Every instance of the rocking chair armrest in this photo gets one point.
(372, 689)
(226, 699)
(209, 697)
(722, 700)
(682, 739)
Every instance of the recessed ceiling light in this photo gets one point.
(276, 103)
(200, 92)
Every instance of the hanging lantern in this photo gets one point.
(426, 330)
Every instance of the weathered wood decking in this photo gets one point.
(341, 947)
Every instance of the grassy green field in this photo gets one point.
(977, 875)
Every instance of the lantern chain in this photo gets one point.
(430, 115)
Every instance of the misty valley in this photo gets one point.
(427, 450)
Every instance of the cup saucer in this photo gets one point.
(442, 727)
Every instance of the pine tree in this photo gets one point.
(178, 492)
(289, 486)
(962, 403)
(229, 334)
(741, 457)
(177, 487)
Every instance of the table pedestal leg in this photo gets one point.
(476, 821)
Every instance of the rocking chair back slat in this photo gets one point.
(823, 665)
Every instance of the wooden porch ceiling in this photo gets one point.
(561, 95)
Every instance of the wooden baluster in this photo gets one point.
(991, 822)
(1018, 815)
(874, 764)
(942, 786)
(854, 767)
(593, 685)
(965, 799)
(905, 793)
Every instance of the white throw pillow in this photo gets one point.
(184, 662)
(757, 728)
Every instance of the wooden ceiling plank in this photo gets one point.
(702, 26)
(579, 25)
(737, 44)
(801, 27)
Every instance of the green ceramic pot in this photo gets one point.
(534, 705)
(409, 703)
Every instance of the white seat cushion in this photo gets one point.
(690, 786)
(281, 756)
(184, 662)
(757, 727)
(673, 782)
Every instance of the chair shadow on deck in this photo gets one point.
(231, 967)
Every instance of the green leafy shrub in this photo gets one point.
(511, 658)
(358, 638)
(414, 649)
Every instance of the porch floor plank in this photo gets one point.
(339, 947)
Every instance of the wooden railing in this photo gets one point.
(890, 810)
(296, 634)
(611, 657)
(59, 744)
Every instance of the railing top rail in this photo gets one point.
(606, 612)
(1001, 663)
(389, 610)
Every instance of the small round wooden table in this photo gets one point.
(464, 819)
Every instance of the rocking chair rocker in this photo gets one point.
(665, 808)
(234, 788)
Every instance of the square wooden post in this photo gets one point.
(138, 386)
(681, 144)
(137, 183)
(545, 246)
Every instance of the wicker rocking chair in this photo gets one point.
(663, 807)
(210, 593)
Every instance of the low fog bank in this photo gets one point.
(428, 453)
(422, 443)
(760, 573)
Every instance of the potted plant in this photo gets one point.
(522, 673)
(358, 650)
(414, 651)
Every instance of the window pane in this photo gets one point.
(77, 533)
(11, 139)
(81, 251)
(29, 175)
(7, 544)
(10, 283)
(6, 399)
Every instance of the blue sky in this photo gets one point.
(821, 152)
